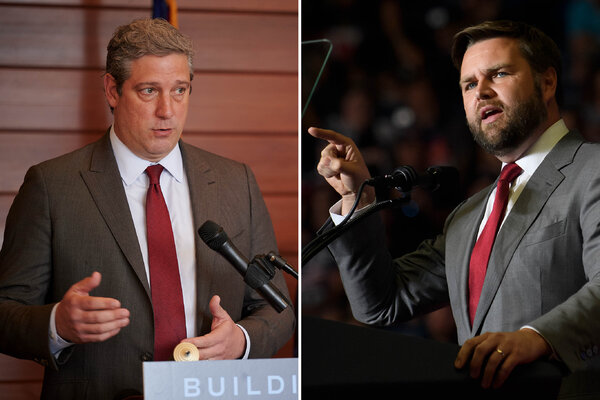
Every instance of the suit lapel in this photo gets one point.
(540, 187)
(104, 183)
(204, 198)
(463, 233)
(473, 229)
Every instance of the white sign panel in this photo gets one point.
(275, 379)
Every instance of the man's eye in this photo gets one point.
(470, 86)
(147, 91)
(180, 90)
(500, 74)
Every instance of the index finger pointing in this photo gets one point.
(326, 134)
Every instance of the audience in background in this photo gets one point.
(386, 85)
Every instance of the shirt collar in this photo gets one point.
(540, 149)
(131, 166)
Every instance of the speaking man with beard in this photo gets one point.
(519, 262)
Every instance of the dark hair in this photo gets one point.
(140, 38)
(537, 48)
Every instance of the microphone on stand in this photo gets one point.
(257, 274)
(404, 178)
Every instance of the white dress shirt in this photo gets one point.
(529, 163)
(174, 186)
(175, 189)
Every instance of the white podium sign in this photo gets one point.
(275, 378)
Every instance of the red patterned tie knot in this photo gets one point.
(510, 172)
(153, 172)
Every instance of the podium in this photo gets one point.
(341, 361)
(274, 378)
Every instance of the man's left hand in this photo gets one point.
(503, 352)
(226, 341)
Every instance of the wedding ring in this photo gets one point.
(501, 352)
(186, 352)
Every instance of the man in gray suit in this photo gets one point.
(75, 287)
(540, 296)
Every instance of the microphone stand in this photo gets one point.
(261, 270)
(323, 239)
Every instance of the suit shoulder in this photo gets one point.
(214, 161)
(71, 160)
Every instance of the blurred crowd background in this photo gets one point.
(390, 85)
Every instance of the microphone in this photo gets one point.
(255, 274)
(404, 178)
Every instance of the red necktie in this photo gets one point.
(483, 247)
(167, 299)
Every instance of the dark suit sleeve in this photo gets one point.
(383, 291)
(268, 329)
(25, 273)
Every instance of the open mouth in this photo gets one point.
(487, 113)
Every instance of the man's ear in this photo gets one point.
(549, 82)
(110, 90)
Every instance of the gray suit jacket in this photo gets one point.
(71, 218)
(544, 270)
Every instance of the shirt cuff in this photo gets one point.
(57, 344)
(335, 212)
(247, 352)
(553, 355)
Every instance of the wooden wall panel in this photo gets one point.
(5, 202)
(277, 175)
(243, 106)
(14, 369)
(232, 102)
(228, 41)
(264, 6)
(68, 100)
(77, 37)
(284, 210)
(273, 159)
(21, 390)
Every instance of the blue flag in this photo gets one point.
(166, 9)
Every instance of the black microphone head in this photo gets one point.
(212, 234)
(403, 178)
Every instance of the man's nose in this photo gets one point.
(164, 108)
(484, 90)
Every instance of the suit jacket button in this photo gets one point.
(146, 357)
(583, 355)
(590, 352)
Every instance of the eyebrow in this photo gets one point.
(179, 82)
(486, 72)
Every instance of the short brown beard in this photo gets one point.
(522, 120)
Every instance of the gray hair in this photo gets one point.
(140, 38)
